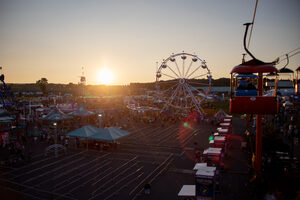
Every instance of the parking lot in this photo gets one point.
(143, 157)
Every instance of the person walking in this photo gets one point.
(48, 138)
(61, 139)
(147, 189)
(67, 142)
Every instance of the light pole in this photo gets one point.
(55, 138)
(99, 116)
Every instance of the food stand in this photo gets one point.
(214, 157)
(223, 131)
(205, 183)
(220, 142)
(226, 125)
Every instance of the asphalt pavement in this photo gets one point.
(160, 155)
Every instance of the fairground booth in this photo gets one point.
(205, 181)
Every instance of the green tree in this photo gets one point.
(42, 83)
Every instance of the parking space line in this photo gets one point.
(121, 188)
(120, 180)
(53, 170)
(33, 170)
(91, 180)
(72, 169)
(79, 176)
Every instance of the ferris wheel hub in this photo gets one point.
(182, 81)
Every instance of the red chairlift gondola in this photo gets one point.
(286, 78)
(249, 102)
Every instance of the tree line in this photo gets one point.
(43, 86)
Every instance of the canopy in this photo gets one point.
(81, 112)
(5, 116)
(221, 113)
(6, 119)
(91, 132)
(285, 70)
(254, 66)
(114, 133)
(4, 113)
(85, 132)
(56, 115)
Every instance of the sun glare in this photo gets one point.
(105, 77)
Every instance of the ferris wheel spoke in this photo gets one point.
(185, 97)
(190, 91)
(173, 95)
(202, 97)
(166, 82)
(181, 96)
(193, 72)
(199, 76)
(199, 109)
(178, 68)
(170, 88)
(168, 76)
(193, 88)
(177, 102)
(184, 102)
(178, 76)
(184, 74)
(165, 91)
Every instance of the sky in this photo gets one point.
(55, 39)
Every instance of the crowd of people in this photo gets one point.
(13, 151)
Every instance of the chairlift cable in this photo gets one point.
(253, 19)
(290, 56)
(289, 52)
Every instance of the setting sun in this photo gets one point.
(105, 76)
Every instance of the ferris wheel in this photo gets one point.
(183, 81)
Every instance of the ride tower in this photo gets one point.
(7, 97)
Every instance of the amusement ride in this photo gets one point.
(6, 95)
(183, 81)
(250, 100)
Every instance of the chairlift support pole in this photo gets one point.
(258, 147)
